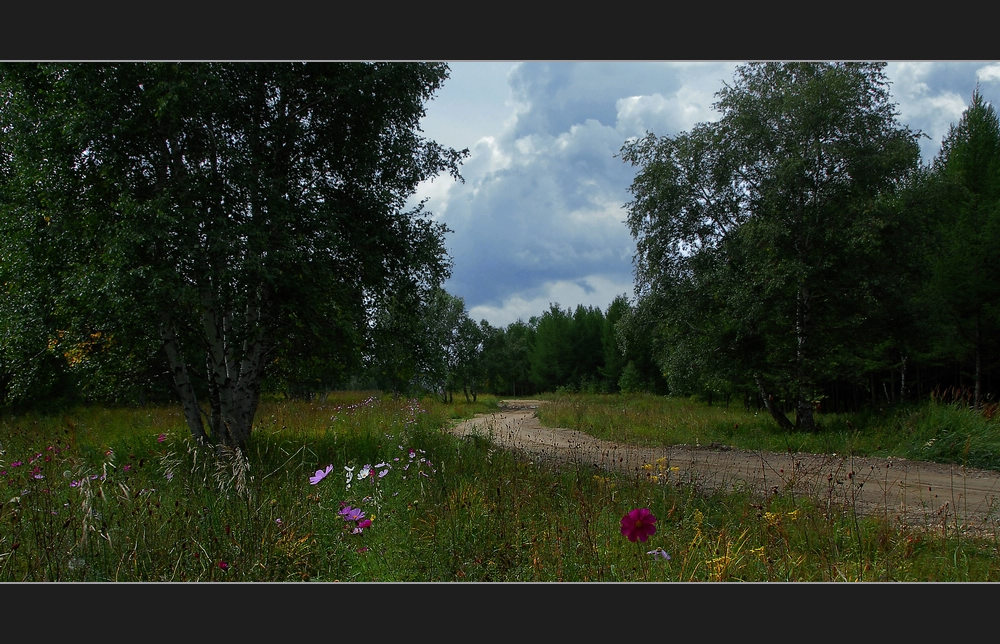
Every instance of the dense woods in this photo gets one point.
(212, 232)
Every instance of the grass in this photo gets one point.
(945, 433)
(95, 494)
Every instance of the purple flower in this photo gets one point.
(639, 524)
(351, 514)
(320, 475)
(659, 553)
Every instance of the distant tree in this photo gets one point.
(586, 356)
(614, 358)
(232, 213)
(470, 366)
(965, 249)
(750, 229)
(518, 347)
(443, 319)
(551, 356)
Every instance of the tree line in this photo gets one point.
(209, 232)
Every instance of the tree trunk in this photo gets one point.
(776, 413)
(977, 387)
(902, 380)
(182, 380)
(804, 419)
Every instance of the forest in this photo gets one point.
(212, 233)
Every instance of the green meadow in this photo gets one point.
(365, 487)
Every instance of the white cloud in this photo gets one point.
(542, 202)
(989, 74)
(661, 115)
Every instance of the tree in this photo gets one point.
(614, 358)
(753, 232)
(226, 211)
(965, 255)
(443, 318)
(551, 355)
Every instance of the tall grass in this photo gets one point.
(108, 495)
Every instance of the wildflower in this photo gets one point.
(223, 565)
(351, 514)
(365, 471)
(161, 438)
(350, 474)
(639, 524)
(320, 475)
(362, 550)
(659, 553)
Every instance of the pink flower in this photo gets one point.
(320, 475)
(223, 565)
(639, 524)
(161, 438)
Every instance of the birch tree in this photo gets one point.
(230, 211)
(753, 231)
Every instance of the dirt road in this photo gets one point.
(914, 493)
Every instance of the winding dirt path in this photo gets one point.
(913, 493)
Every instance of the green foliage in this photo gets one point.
(963, 285)
(757, 234)
(232, 214)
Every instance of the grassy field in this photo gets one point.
(362, 487)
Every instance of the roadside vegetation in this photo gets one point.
(365, 487)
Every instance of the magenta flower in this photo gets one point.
(161, 438)
(320, 475)
(223, 565)
(639, 524)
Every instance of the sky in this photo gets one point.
(539, 219)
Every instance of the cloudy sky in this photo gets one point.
(539, 219)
